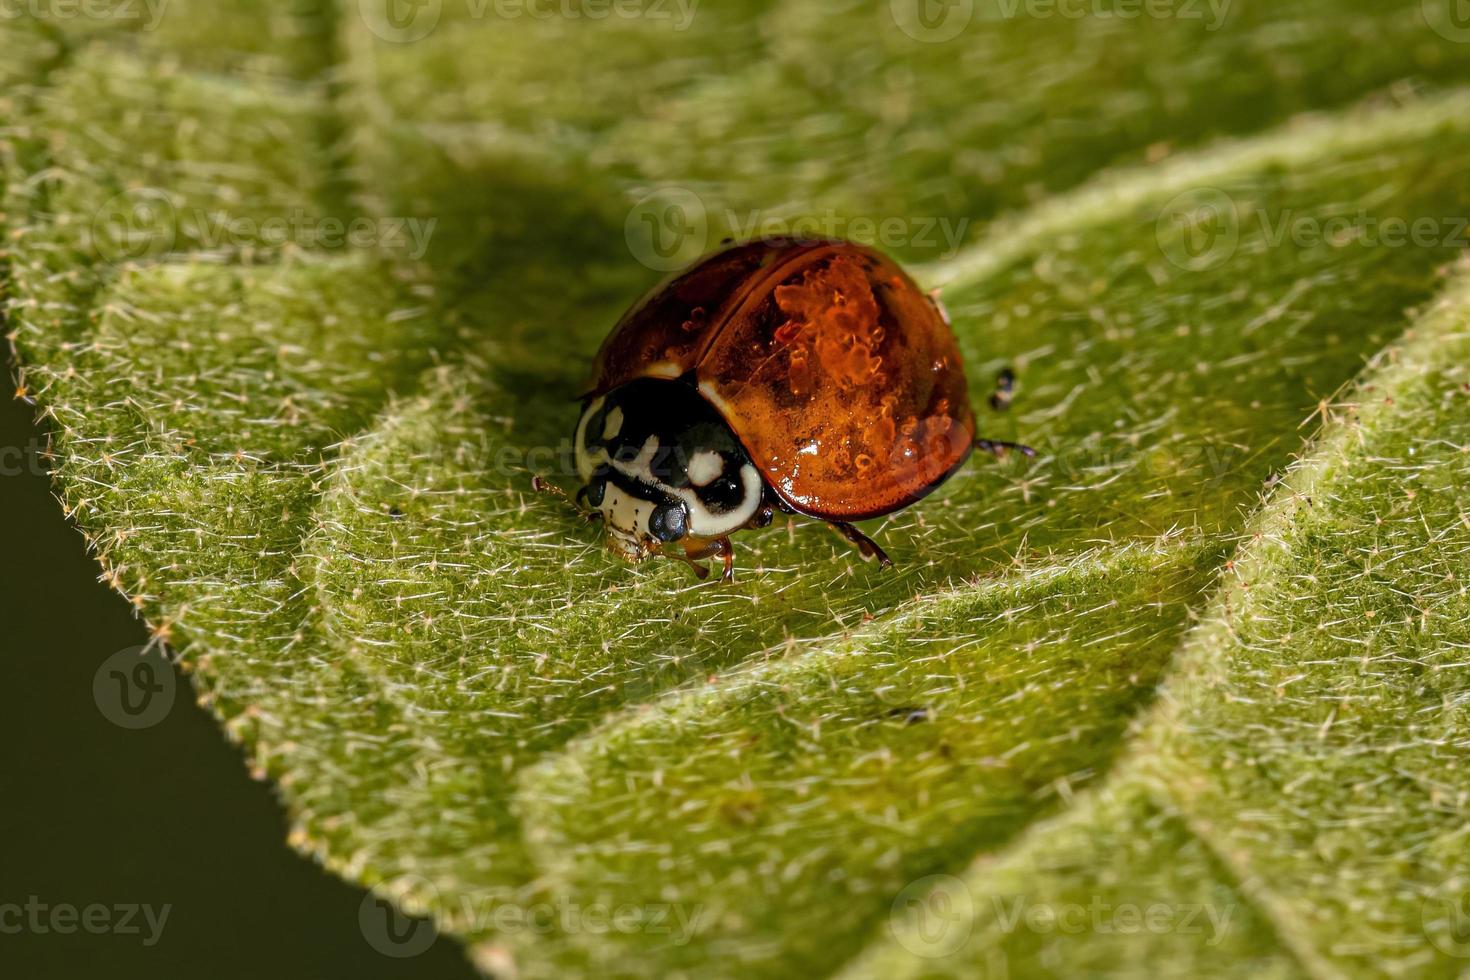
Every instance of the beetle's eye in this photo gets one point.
(669, 522)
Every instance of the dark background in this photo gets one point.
(91, 812)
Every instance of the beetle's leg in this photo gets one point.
(728, 577)
(866, 546)
(1001, 448)
(720, 547)
(762, 517)
(700, 572)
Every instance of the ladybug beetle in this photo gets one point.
(806, 376)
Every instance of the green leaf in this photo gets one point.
(1304, 767)
(306, 457)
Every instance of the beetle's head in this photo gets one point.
(640, 519)
(659, 464)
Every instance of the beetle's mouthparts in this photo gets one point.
(628, 545)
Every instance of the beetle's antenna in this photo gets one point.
(1000, 400)
(1005, 388)
(543, 486)
(590, 515)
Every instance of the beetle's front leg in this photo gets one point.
(710, 548)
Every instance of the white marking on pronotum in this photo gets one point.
(587, 463)
(705, 523)
(705, 467)
(642, 465)
(613, 423)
